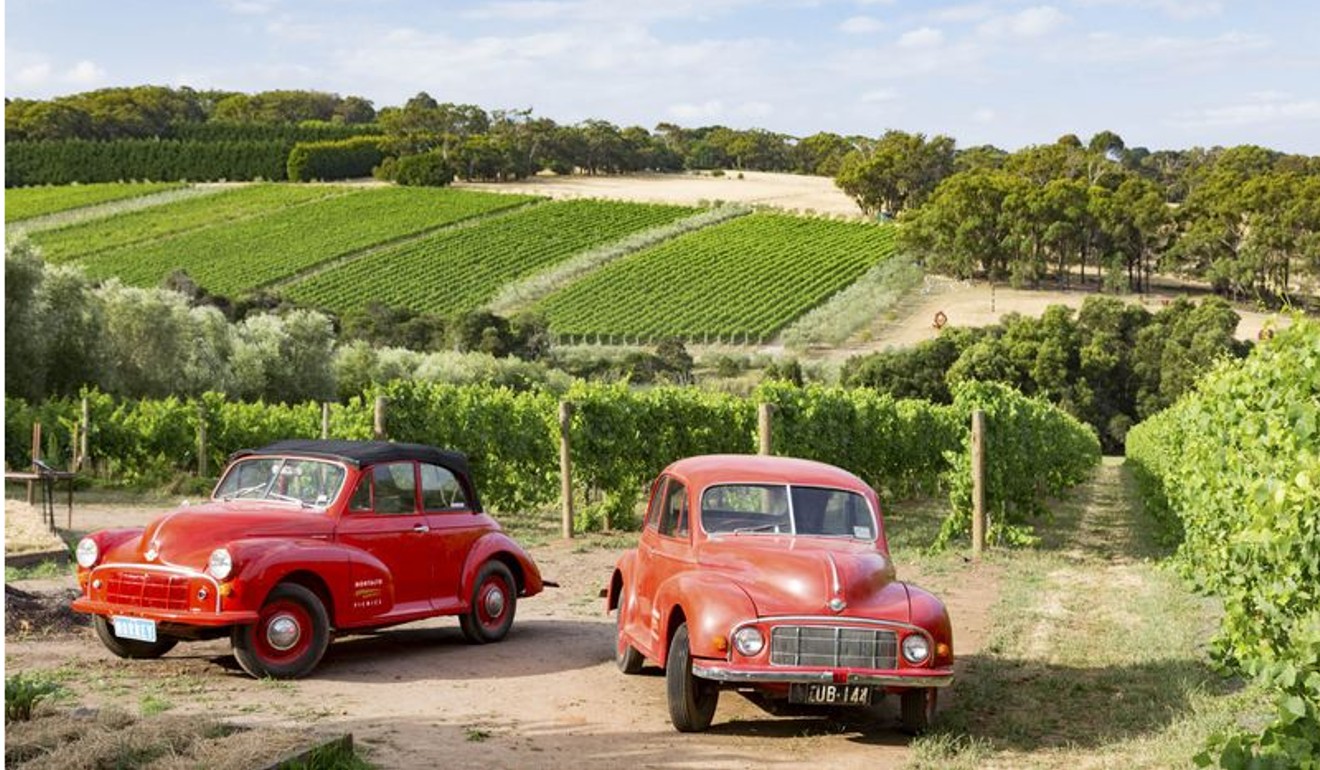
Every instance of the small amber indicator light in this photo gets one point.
(721, 643)
(942, 650)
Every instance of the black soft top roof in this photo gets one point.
(364, 452)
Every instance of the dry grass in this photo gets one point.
(25, 532)
(114, 738)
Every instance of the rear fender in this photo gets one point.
(497, 545)
(623, 570)
(711, 606)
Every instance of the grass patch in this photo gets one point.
(42, 570)
(1097, 655)
(154, 704)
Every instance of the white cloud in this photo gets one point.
(707, 110)
(85, 74)
(878, 96)
(961, 14)
(38, 74)
(861, 25)
(603, 11)
(924, 37)
(1105, 47)
(247, 7)
(1028, 23)
(1182, 10)
(1263, 108)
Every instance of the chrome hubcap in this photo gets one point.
(282, 632)
(494, 602)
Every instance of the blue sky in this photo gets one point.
(1161, 73)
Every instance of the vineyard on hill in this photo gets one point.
(740, 281)
(82, 240)
(251, 253)
(29, 202)
(463, 268)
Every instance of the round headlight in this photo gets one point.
(88, 552)
(221, 563)
(916, 648)
(748, 641)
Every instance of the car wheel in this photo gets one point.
(494, 600)
(692, 700)
(290, 636)
(626, 657)
(917, 710)
(131, 648)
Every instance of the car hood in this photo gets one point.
(186, 537)
(801, 575)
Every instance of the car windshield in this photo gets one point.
(786, 509)
(312, 483)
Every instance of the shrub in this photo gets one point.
(428, 169)
(342, 159)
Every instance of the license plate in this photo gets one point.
(141, 629)
(830, 694)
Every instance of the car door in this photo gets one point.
(639, 597)
(383, 519)
(454, 528)
(664, 552)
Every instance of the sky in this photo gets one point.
(1163, 74)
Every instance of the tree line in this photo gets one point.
(1246, 219)
(1111, 364)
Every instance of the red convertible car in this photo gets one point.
(302, 539)
(771, 576)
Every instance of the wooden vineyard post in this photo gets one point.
(978, 483)
(36, 455)
(380, 418)
(325, 420)
(201, 441)
(566, 468)
(764, 412)
(84, 436)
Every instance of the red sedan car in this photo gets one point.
(771, 576)
(302, 540)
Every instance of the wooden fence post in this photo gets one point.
(36, 455)
(84, 437)
(202, 450)
(566, 468)
(380, 418)
(978, 483)
(325, 420)
(764, 411)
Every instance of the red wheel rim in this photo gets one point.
(283, 632)
(493, 600)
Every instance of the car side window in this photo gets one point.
(360, 502)
(441, 489)
(657, 503)
(395, 488)
(674, 516)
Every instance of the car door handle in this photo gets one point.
(421, 528)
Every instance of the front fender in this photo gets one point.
(711, 604)
(261, 564)
(497, 545)
(928, 612)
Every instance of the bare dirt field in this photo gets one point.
(547, 696)
(792, 192)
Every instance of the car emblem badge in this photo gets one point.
(150, 555)
(837, 604)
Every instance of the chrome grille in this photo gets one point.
(833, 647)
(147, 589)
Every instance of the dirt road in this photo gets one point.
(548, 696)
